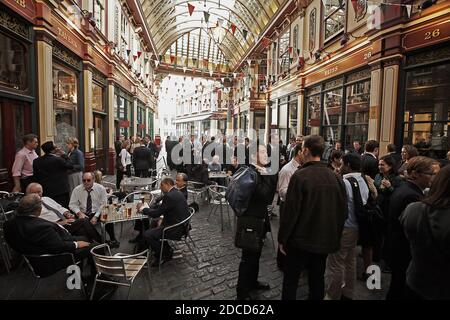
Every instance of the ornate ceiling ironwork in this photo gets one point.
(189, 41)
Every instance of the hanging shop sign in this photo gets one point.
(124, 123)
(427, 36)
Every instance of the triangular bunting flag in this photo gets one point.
(219, 22)
(128, 52)
(205, 63)
(210, 73)
(354, 4)
(135, 57)
(291, 60)
(408, 10)
(191, 9)
(233, 28)
(139, 53)
(249, 61)
(184, 69)
(244, 33)
(290, 50)
(234, 75)
(146, 75)
(156, 63)
(160, 57)
(206, 15)
(172, 59)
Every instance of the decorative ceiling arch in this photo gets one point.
(233, 26)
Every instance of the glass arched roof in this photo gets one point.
(191, 41)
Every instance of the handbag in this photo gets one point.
(249, 233)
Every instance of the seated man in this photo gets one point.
(54, 212)
(233, 167)
(181, 182)
(28, 234)
(87, 201)
(215, 166)
(174, 209)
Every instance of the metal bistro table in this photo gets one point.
(117, 214)
(219, 177)
(129, 184)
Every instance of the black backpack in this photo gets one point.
(368, 215)
(241, 188)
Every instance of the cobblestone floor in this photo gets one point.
(214, 276)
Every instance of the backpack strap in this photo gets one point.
(357, 199)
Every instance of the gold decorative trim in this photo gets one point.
(14, 25)
(66, 57)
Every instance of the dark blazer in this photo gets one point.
(174, 207)
(184, 191)
(33, 235)
(76, 157)
(52, 173)
(142, 158)
(369, 165)
(118, 147)
(315, 210)
(406, 193)
(198, 173)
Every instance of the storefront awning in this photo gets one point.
(192, 119)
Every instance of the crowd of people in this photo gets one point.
(331, 200)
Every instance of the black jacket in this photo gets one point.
(315, 210)
(369, 165)
(118, 147)
(184, 191)
(263, 195)
(398, 245)
(173, 207)
(142, 158)
(428, 273)
(52, 173)
(198, 173)
(33, 235)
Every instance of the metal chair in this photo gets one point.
(217, 199)
(46, 265)
(187, 224)
(5, 251)
(109, 185)
(196, 189)
(119, 265)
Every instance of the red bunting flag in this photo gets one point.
(233, 28)
(266, 42)
(135, 57)
(290, 50)
(172, 59)
(191, 9)
(354, 4)
(139, 53)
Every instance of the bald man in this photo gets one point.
(54, 212)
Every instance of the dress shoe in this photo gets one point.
(263, 286)
(114, 244)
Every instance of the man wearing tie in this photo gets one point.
(54, 212)
(87, 201)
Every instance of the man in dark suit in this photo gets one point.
(421, 171)
(181, 182)
(28, 234)
(174, 209)
(118, 144)
(142, 161)
(154, 149)
(369, 160)
(50, 171)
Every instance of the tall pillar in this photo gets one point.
(134, 123)
(389, 103)
(300, 112)
(112, 132)
(214, 127)
(44, 53)
(267, 123)
(376, 90)
(90, 163)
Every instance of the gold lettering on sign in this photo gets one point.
(432, 34)
(331, 71)
(22, 3)
(66, 37)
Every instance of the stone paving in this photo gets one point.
(184, 278)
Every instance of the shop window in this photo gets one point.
(313, 105)
(427, 110)
(98, 14)
(284, 51)
(334, 17)
(293, 119)
(13, 66)
(65, 103)
(97, 97)
(357, 115)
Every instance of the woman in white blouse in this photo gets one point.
(123, 163)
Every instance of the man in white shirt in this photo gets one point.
(54, 212)
(87, 201)
(285, 174)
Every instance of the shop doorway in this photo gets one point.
(15, 122)
(100, 142)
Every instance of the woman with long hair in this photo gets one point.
(123, 163)
(76, 157)
(427, 227)
(408, 152)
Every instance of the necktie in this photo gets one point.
(89, 203)
(59, 214)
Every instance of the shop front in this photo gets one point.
(100, 116)
(17, 88)
(140, 118)
(123, 106)
(426, 98)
